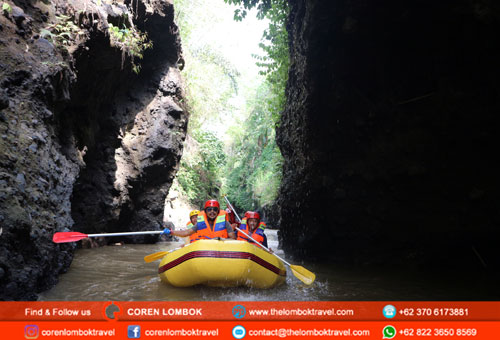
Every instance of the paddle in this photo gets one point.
(158, 256)
(73, 236)
(155, 256)
(300, 272)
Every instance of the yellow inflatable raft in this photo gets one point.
(227, 263)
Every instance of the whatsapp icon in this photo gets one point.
(389, 332)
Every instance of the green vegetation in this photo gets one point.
(199, 173)
(131, 42)
(211, 82)
(254, 160)
(62, 32)
(263, 7)
(251, 172)
(6, 9)
(211, 79)
(274, 63)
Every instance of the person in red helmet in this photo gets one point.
(254, 227)
(211, 223)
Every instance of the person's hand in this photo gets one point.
(234, 226)
(166, 231)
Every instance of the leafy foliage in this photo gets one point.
(275, 61)
(252, 174)
(131, 41)
(211, 79)
(6, 8)
(200, 171)
(254, 160)
(62, 32)
(263, 7)
(211, 82)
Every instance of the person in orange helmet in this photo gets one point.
(211, 223)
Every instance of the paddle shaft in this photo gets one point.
(239, 220)
(127, 234)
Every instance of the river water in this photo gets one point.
(119, 273)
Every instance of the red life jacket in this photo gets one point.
(204, 230)
(257, 235)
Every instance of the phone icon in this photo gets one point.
(389, 311)
(388, 332)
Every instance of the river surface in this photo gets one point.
(119, 273)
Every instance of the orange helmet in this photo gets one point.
(212, 203)
(252, 214)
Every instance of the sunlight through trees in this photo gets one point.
(235, 74)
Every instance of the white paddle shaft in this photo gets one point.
(239, 220)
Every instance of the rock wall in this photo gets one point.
(389, 133)
(86, 144)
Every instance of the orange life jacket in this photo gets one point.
(204, 230)
(257, 235)
(193, 237)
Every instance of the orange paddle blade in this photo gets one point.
(156, 256)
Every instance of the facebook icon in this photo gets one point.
(134, 332)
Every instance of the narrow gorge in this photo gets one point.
(388, 132)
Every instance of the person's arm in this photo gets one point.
(183, 233)
(265, 244)
(230, 232)
(265, 241)
(180, 233)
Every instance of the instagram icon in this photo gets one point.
(31, 331)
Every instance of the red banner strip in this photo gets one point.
(250, 311)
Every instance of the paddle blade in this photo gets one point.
(303, 274)
(70, 236)
(155, 256)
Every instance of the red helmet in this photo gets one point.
(252, 214)
(212, 203)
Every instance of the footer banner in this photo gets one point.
(251, 330)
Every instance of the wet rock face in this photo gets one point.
(135, 142)
(389, 132)
(85, 144)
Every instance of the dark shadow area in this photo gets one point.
(389, 137)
